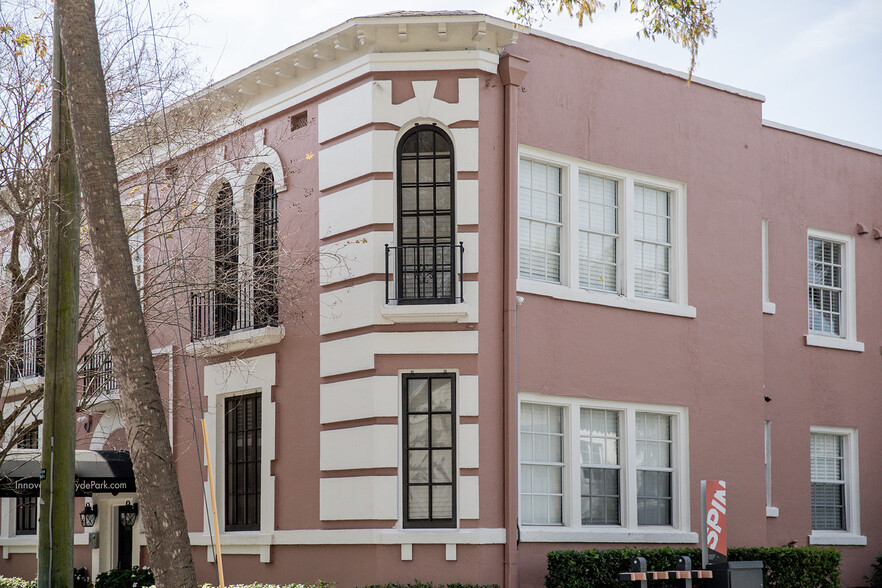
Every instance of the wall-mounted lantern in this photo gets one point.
(88, 515)
(127, 514)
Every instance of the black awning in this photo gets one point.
(96, 471)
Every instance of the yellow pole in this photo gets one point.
(220, 563)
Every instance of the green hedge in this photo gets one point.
(783, 567)
(17, 583)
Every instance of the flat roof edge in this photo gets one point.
(820, 137)
(646, 64)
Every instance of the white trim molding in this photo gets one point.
(850, 465)
(234, 378)
(768, 306)
(846, 340)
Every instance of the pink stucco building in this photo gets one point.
(556, 288)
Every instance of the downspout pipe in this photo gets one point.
(512, 70)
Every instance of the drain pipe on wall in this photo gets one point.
(512, 70)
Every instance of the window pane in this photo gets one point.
(542, 467)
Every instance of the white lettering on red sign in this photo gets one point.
(716, 518)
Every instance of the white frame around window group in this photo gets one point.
(852, 534)
(568, 288)
(847, 340)
(629, 531)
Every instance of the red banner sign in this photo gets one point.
(713, 537)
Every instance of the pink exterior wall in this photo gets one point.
(719, 365)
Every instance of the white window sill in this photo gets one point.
(769, 307)
(238, 341)
(605, 299)
(426, 313)
(833, 343)
(611, 535)
(771, 512)
(834, 538)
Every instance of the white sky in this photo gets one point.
(817, 62)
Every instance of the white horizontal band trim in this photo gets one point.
(359, 537)
(565, 535)
(363, 398)
(832, 538)
(833, 343)
(371, 446)
(769, 308)
(357, 353)
(644, 305)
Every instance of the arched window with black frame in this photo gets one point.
(425, 260)
(266, 251)
(226, 261)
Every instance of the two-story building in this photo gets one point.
(478, 293)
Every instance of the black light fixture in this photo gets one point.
(128, 513)
(88, 515)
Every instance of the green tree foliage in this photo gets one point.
(685, 22)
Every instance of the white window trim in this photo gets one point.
(568, 288)
(572, 529)
(771, 511)
(848, 340)
(852, 534)
(768, 306)
(235, 378)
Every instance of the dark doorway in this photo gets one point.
(123, 544)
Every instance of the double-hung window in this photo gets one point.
(835, 512)
(603, 471)
(26, 506)
(601, 235)
(832, 321)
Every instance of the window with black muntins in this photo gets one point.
(26, 515)
(242, 462)
(226, 260)
(266, 251)
(430, 450)
(426, 257)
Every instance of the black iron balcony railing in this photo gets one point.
(220, 311)
(424, 274)
(27, 361)
(97, 374)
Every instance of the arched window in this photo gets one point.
(266, 251)
(426, 258)
(226, 261)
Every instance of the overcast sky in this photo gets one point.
(817, 62)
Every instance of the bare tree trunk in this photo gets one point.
(146, 429)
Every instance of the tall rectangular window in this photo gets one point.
(26, 515)
(828, 482)
(652, 242)
(601, 470)
(242, 462)
(542, 464)
(654, 469)
(598, 233)
(540, 198)
(429, 445)
(825, 287)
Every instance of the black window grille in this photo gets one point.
(430, 442)
(266, 251)
(30, 440)
(26, 515)
(242, 463)
(426, 256)
(226, 260)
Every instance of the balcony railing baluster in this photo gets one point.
(217, 312)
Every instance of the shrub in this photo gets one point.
(133, 578)
(875, 581)
(17, 583)
(81, 578)
(783, 567)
